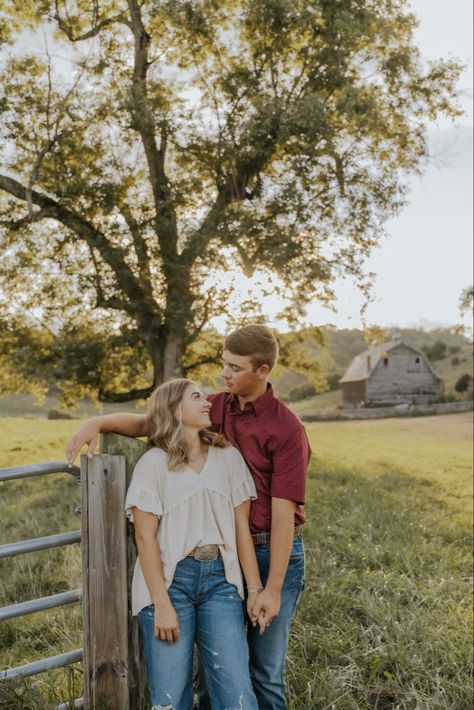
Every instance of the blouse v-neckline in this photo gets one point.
(196, 473)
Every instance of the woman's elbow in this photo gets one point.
(144, 538)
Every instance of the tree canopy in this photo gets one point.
(155, 141)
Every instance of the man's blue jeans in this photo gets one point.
(210, 612)
(268, 652)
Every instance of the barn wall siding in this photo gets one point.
(353, 393)
(402, 379)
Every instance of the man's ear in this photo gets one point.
(263, 370)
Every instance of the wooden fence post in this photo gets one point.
(131, 450)
(104, 583)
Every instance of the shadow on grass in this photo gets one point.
(385, 618)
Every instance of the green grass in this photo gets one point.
(26, 405)
(385, 621)
(324, 402)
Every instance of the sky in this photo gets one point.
(425, 261)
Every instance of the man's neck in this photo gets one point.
(252, 396)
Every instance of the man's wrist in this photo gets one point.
(96, 421)
(273, 586)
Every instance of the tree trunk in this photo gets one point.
(173, 357)
(166, 354)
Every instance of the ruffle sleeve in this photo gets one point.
(242, 486)
(144, 500)
(144, 489)
(246, 491)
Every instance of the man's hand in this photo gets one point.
(166, 622)
(266, 607)
(121, 423)
(87, 434)
(255, 618)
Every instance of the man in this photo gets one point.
(274, 444)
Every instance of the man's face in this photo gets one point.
(239, 374)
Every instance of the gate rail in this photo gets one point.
(22, 547)
(112, 653)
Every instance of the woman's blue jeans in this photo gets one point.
(210, 613)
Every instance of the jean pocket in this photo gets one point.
(147, 611)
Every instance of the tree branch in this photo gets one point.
(97, 27)
(30, 218)
(107, 396)
(204, 361)
(144, 123)
(113, 256)
(139, 243)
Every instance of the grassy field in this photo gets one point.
(385, 620)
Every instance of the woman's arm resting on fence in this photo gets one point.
(122, 423)
(247, 558)
(166, 619)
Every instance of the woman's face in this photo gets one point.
(195, 409)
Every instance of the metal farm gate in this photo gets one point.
(114, 675)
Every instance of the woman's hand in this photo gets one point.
(166, 622)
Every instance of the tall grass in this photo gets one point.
(385, 621)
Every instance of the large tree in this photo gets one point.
(276, 134)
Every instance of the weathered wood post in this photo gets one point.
(114, 671)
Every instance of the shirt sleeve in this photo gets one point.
(242, 486)
(290, 465)
(143, 492)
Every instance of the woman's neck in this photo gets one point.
(193, 442)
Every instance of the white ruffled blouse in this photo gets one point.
(194, 509)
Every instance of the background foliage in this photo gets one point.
(155, 143)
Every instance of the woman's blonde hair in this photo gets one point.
(165, 427)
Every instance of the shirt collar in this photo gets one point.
(259, 404)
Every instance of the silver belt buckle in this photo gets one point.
(206, 553)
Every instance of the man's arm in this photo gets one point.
(122, 423)
(281, 542)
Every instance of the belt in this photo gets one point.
(205, 553)
(262, 537)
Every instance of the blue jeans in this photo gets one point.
(268, 652)
(210, 612)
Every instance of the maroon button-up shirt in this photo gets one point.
(274, 444)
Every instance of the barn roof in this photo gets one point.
(359, 370)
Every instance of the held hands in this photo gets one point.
(166, 622)
(254, 618)
(265, 607)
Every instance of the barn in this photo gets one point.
(388, 374)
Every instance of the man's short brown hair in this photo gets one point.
(255, 341)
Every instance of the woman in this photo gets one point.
(189, 499)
